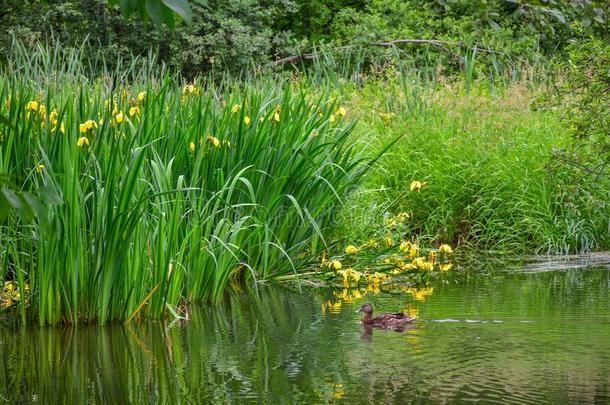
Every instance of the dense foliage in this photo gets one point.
(232, 34)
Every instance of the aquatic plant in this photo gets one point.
(162, 191)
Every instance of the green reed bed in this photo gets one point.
(157, 191)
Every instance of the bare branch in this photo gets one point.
(393, 43)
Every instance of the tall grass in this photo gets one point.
(487, 158)
(175, 189)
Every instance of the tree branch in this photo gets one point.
(393, 43)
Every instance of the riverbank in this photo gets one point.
(160, 192)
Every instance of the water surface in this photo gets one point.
(495, 336)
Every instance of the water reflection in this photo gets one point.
(289, 347)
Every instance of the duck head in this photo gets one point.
(366, 308)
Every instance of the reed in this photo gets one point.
(164, 190)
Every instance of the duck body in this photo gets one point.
(396, 321)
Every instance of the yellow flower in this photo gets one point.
(386, 117)
(345, 275)
(444, 248)
(351, 249)
(372, 243)
(247, 120)
(403, 216)
(101, 121)
(226, 143)
(141, 95)
(32, 105)
(332, 118)
(432, 256)
(42, 110)
(388, 241)
(87, 125)
(134, 110)
(445, 266)
(276, 116)
(419, 262)
(417, 185)
(7, 102)
(82, 141)
(110, 104)
(119, 117)
(413, 250)
(39, 168)
(335, 265)
(235, 108)
(53, 117)
(405, 246)
(215, 141)
(342, 111)
(62, 128)
(190, 89)
(192, 146)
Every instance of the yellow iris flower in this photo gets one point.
(417, 185)
(82, 141)
(351, 249)
(444, 248)
(215, 141)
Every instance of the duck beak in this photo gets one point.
(358, 311)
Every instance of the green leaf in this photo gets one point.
(11, 197)
(180, 7)
(5, 207)
(127, 7)
(168, 17)
(154, 8)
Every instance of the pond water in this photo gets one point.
(497, 336)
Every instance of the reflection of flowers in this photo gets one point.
(338, 391)
(410, 310)
(419, 294)
(333, 307)
(348, 294)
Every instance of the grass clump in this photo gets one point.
(484, 168)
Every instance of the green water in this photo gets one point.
(516, 337)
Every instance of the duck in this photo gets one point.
(396, 321)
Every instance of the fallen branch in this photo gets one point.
(435, 42)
